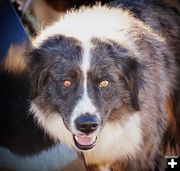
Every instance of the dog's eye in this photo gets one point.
(104, 84)
(67, 83)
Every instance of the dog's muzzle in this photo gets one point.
(86, 124)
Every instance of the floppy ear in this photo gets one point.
(37, 71)
(133, 76)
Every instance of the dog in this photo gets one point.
(104, 80)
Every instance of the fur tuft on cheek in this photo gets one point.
(133, 77)
(53, 125)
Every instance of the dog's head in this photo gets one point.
(83, 81)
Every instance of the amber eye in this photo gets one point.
(104, 84)
(67, 83)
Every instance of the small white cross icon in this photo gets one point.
(172, 163)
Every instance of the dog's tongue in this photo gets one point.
(85, 140)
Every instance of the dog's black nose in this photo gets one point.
(87, 123)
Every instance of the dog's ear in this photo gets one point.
(133, 77)
(37, 70)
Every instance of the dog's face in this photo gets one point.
(82, 84)
(85, 85)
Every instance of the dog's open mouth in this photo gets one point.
(85, 142)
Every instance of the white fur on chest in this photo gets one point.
(116, 142)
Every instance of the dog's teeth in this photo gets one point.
(76, 138)
(94, 138)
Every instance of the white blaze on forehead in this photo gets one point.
(85, 104)
(86, 59)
